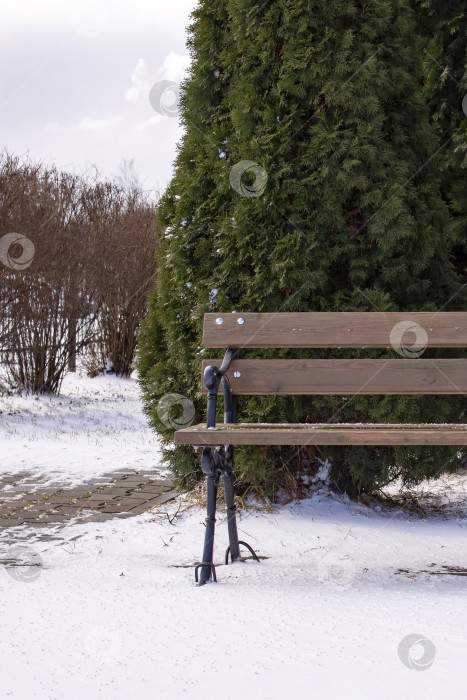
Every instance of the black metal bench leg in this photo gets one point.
(227, 478)
(207, 567)
(234, 544)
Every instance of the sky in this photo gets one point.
(75, 81)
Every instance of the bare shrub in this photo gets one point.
(87, 284)
(46, 310)
(128, 275)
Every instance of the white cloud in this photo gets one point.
(175, 66)
(140, 82)
(142, 79)
(150, 122)
(94, 124)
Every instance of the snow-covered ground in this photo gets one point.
(94, 426)
(113, 612)
(112, 616)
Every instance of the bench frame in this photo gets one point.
(216, 462)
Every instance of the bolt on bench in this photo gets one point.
(409, 375)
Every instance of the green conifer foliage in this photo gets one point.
(338, 210)
(443, 26)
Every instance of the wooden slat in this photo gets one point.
(417, 376)
(333, 329)
(323, 434)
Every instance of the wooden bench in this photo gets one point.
(408, 333)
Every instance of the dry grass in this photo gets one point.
(444, 497)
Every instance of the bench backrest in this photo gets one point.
(408, 333)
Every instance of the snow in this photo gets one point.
(113, 612)
(96, 426)
(112, 616)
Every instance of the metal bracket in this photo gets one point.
(212, 572)
(213, 462)
(212, 378)
(253, 553)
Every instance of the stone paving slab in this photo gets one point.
(154, 502)
(10, 522)
(120, 494)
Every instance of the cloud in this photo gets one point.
(140, 83)
(142, 79)
(175, 66)
(150, 122)
(93, 124)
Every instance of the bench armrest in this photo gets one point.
(213, 376)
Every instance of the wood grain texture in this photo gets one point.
(417, 376)
(335, 329)
(323, 434)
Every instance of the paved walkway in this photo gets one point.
(120, 494)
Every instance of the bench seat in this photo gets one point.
(323, 434)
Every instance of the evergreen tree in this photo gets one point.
(319, 101)
(443, 26)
